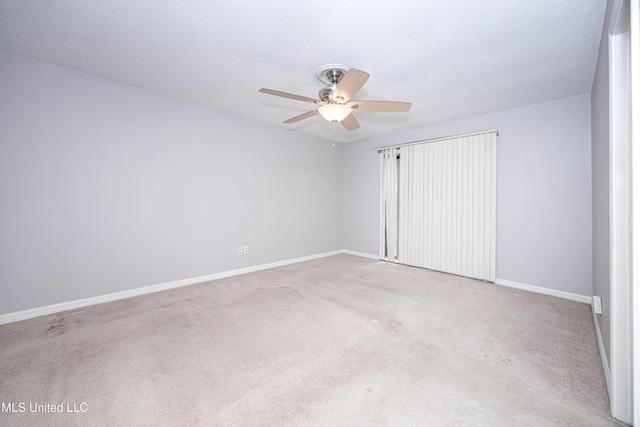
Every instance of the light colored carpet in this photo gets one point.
(338, 341)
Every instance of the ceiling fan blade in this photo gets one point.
(349, 85)
(301, 116)
(380, 106)
(288, 95)
(350, 122)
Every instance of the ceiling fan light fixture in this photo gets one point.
(334, 112)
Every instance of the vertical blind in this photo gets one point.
(444, 216)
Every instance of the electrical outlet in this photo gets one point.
(375, 249)
(597, 305)
(245, 250)
(240, 249)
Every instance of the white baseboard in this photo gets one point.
(603, 355)
(72, 305)
(361, 254)
(539, 290)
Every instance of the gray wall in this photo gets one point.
(600, 183)
(543, 190)
(105, 187)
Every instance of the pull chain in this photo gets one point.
(333, 133)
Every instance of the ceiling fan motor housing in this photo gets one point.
(326, 93)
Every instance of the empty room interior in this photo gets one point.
(301, 214)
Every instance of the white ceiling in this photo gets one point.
(451, 59)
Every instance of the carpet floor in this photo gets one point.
(337, 341)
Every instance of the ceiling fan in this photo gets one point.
(335, 99)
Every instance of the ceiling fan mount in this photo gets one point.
(331, 74)
(335, 103)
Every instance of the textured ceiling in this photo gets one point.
(451, 59)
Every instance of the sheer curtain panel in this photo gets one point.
(390, 204)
